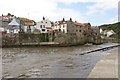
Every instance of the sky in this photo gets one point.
(97, 12)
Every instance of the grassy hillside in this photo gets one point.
(115, 27)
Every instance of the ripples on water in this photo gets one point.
(50, 62)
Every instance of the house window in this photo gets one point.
(79, 30)
(59, 29)
(45, 22)
(60, 26)
(40, 26)
(63, 31)
(63, 25)
(29, 27)
(43, 26)
(41, 21)
(43, 29)
(67, 30)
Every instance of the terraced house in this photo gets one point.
(5, 20)
(13, 24)
(27, 25)
(70, 26)
(44, 26)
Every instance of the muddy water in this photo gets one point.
(50, 62)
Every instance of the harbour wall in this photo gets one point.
(60, 39)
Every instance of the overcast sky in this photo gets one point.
(96, 12)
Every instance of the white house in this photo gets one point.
(25, 28)
(13, 26)
(109, 33)
(27, 25)
(60, 27)
(101, 31)
(44, 25)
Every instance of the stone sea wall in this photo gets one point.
(36, 39)
(72, 38)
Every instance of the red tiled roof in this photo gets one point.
(76, 23)
(87, 24)
(62, 22)
(79, 24)
(27, 22)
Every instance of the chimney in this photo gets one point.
(75, 21)
(43, 18)
(63, 19)
(8, 14)
(70, 19)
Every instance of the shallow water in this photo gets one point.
(50, 62)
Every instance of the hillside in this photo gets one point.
(115, 27)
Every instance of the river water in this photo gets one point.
(50, 62)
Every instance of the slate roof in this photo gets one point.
(14, 23)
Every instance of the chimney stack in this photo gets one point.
(63, 19)
(43, 18)
(70, 19)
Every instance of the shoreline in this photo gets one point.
(46, 44)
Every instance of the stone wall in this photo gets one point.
(110, 40)
(8, 39)
(19, 39)
(71, 38)
(61, 38)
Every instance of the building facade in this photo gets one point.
(5, 20)
(14, 26)
(70, 26)
(44, 26)
(60, 27)
(27, 25)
